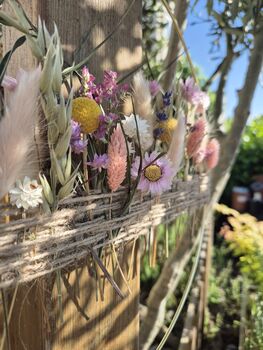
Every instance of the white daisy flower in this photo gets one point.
(26, 194)
(146, 137)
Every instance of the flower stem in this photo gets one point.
(85, 167)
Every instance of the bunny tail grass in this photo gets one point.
(143, 98)
(176, 149)
(18, 154)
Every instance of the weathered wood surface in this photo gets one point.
(114, 324)
(87, 22)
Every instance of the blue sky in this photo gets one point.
(199, 45)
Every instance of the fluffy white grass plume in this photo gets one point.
(176, 149)
(143, 98)
(18, 156)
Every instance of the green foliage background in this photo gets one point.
(250, 158)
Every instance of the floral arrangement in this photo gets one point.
(105, 136)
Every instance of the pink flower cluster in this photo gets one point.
(108, 90)
(192, 94)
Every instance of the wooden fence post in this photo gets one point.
(114, 323)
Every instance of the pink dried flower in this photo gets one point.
(154, 87)
(189, 90)
(195, 137)
(157, 174)
(117, 154)
(9, 83)
(212, 154)
(199, 156)
(201, 101)
(99, 162)
(88, 87)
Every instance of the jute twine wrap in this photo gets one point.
(37, 245)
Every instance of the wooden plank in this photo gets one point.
(114, 323)
(93, 19)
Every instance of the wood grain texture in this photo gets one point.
(87, 22)
(114, 323)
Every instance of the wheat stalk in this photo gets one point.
(47, 49)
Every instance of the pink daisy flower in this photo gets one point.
(99, 162)
(212, 154)
(156, 176)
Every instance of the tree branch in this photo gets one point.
(225, 69)
(229, 147)
(174, 44)
(214, 75)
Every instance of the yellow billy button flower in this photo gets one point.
(153, 172)
(86, 112)
(168, 127)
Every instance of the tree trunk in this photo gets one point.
(230, 145)
(174, 44)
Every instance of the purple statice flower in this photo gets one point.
(77, 145)
(167, 98)
(109, 90)
(189, 90)
(110, 82)
(100, 133)
(154, 87)
(99, 162)
(75, 131)
(88, 87)
(158, 132)
(156, 176)
(105, 122)
(162, 116)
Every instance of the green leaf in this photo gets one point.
(4, 63)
